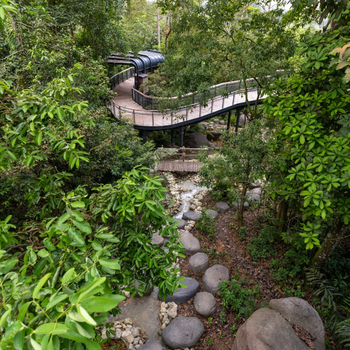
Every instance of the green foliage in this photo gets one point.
(239, 163)
(237, 298)
(206, 225)
(261, 247)
(106, 234)
(311, 109)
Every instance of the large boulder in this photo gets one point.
(182, 332)
(190, 243)
(287, 324)
(196, 140)
(214, 135)
(299, 312)
(182, 295)
(213, 276)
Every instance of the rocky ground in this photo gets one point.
(194, 318)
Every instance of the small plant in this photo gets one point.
(209, 341)
(206, 225)
(242, 233)
(211, 253)
(210, 321)
(222, 317)
(260, 247)
(233, 329)
(222, 254)
(237, 298)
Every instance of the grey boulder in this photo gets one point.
(190, 243)
(301, 313)
(182, 295)
(213, 276)
(182, 332)
(192, 215)
(151, 345)
(277, 327)
(222, 207)
(267, 330)
(181, 223)
(199, 262)
(205, 303)
(212, 213)
(196, 139)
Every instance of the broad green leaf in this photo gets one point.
(63, 219)
(56, 301)
(76, 236)
(35, 344)
(22, 311)
(52, 328)
(100, 304)
(4, 317)
(85, 315)
(78, 204)
(91, 345)
(87, 289)
(18, 340)
(85, 331)
(40, 284)
(110, 263)
(68, 275)
(83, 226)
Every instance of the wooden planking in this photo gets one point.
(183, 167)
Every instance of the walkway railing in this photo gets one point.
(164, 103)
(171, 117)
(122, 76)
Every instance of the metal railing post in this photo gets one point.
(200, 110)
(133, 113)
(223, 103)
(152, 119)
(212, 105)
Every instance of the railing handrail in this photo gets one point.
(190, 93)
(167, 111)
(121, 76)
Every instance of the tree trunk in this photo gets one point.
(241, 206)
(328, 245)
(282, 215)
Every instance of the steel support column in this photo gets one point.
(238, 113)
(229, 120)
(144, 134)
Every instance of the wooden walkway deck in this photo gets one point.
(179, 166)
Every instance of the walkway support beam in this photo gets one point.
(238, 114)
(229, 120)
(182, 133)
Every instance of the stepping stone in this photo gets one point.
(190, 242)
(212, 213)
(181, 223)
(192, 215)
(157, 239)
(199, 262)
(205, 303)
(213, 276)
(182, 295)
(151, 345)
(182, 332)
(222, 207)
